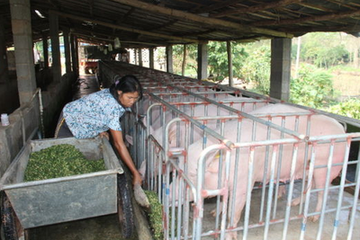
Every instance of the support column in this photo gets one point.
(169, 59)
(55, 46)
(4, 69)
(140, 57)
(135, 56)
(151, 58)
(67, 50)
(280, 68)
(22, 33)
(45, 50)
(73, 52)
(76, 56)
(202, 61)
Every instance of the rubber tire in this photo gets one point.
(125, 207)
(10, 226)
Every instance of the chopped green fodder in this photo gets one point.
(155, 215)
(60, 161)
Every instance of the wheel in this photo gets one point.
(10, 225)
(125, 208)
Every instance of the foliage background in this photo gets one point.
(315, 82)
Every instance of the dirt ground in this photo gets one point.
(348, 83)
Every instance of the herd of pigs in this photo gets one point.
(266, 141)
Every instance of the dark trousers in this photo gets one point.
(62, 129)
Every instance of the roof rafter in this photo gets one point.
(125, 28)
(215, 6)
(256, 8)
(200, 19)
(327, 17)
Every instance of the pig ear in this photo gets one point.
(213, 162)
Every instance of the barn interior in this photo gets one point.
(30, 91)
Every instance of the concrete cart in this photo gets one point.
(25, 205)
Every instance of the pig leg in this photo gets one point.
(282, 191)
(239, 206)
(297, 200)
(320, 183)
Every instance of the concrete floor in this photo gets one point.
(294, 228)
(104, 227)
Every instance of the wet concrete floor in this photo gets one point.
(104, 227)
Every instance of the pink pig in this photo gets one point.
(240, 103)
(320, 126)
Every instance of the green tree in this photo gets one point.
(190, 62)
(323, 49)
(218, 59)
(256, 67)
(313, 87)
(349, 108)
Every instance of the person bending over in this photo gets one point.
(97, 113)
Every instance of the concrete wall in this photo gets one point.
(26, 119)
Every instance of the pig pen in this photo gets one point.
(182, 116)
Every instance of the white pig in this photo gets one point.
(320, 125)
(240, 103)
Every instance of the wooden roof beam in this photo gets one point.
(214, 6)
(133, 30)
(91, 7)
(107, 41)
(342, 4)
(256, 8)
(202, 20)
(317, 7)
(327, 17)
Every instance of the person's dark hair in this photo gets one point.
(128, 83)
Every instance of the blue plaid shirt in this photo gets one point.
(92, 114)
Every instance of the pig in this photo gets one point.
(321, 125)
(198, 111)
(240, 103)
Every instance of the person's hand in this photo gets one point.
(137, 179)
(104, 134)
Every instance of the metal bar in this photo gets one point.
(290, 132)
(291, 190)
(235, 182)
(270, 194)
(279, 166)
(326, 190)
(308, 188)
(248, 192)
(187, 117)
(268, 135)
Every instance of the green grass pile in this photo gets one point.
(155, 215)
(60, 161)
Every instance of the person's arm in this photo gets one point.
(125, 156)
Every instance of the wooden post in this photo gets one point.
(183, 62)
(151, 58)
(169, 59)
(230, 67)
